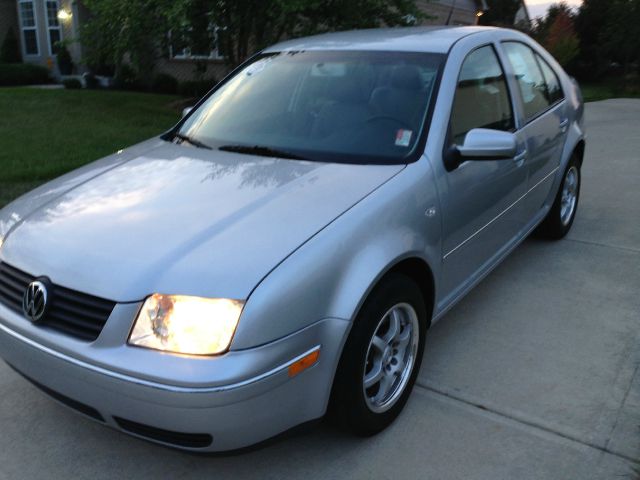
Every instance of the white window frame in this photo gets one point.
(185, 53)
(49, 27)
(34, 28)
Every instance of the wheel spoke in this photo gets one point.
(379, 344)
(394, 326)
(374, 376)
(386, 382)
(405, 335)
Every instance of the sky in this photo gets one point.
(538, 8)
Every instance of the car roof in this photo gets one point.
(412, 39)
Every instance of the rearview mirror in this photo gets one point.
(485, 144)
(186, 111)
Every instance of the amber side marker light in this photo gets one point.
(305, 362)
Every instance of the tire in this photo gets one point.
(560, 218)
(366, 411)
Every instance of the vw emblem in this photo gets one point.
(34, 302)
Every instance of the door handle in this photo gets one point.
(520, 157)
(564, 124)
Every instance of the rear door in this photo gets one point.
(481, 208)
(544, 119)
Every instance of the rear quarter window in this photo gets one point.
(554, 88)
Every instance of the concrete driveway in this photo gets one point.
(533, 375)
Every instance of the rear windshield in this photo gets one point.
(337, 106)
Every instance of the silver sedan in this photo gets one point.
(281, 252)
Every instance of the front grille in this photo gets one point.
(186, 440)
(76, 314)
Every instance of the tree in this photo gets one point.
(244, 26)
(609, 32)
(543, 24)
(501, 13)
(10, 50)
(135, 31)
(620, 37)
(557, 33)
(126, 31)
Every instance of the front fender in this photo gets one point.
(331, 274)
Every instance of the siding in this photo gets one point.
(463, 13)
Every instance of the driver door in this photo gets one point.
(482, 207)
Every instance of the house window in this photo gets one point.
(54, 32)
(28, 27)
(180, 46)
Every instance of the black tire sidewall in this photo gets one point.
(348, 399)
(552, 227)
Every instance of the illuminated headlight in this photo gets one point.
(189, 325)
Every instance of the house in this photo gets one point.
(452, 12)
(522, 18)
(513, 13)
(42, 24)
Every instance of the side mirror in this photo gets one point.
(186, 111)
(485, 144)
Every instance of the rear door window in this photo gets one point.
(531, 81)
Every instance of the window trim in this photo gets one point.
(214, 54)
(34, 28)
(551, 106)
(49, 28)
(448, 140)
(539, 59)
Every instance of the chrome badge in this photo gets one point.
(34, 301)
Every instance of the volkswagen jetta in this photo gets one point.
(282, 251)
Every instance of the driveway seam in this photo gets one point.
(615, 247)
(622, 406)
(524, 422)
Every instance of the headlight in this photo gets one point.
(189, 325)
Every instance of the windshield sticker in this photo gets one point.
(329, 69)
(403, 137)
(258, 66)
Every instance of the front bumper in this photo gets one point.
(252, 408)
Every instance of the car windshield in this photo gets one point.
(334, 106)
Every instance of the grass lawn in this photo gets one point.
(604, 91)
(45, 133)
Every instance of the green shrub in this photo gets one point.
(196, 88)
(10, 50)
(14, 74)
(72, 83)
(65, 64)
(163, 83)
(91, 81)
(126, 78)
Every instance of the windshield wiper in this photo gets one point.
(192, 141)
(261, 151)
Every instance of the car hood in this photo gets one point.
(178, 220)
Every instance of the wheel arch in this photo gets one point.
(420, 272)
(578, 151)
(414, 267)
